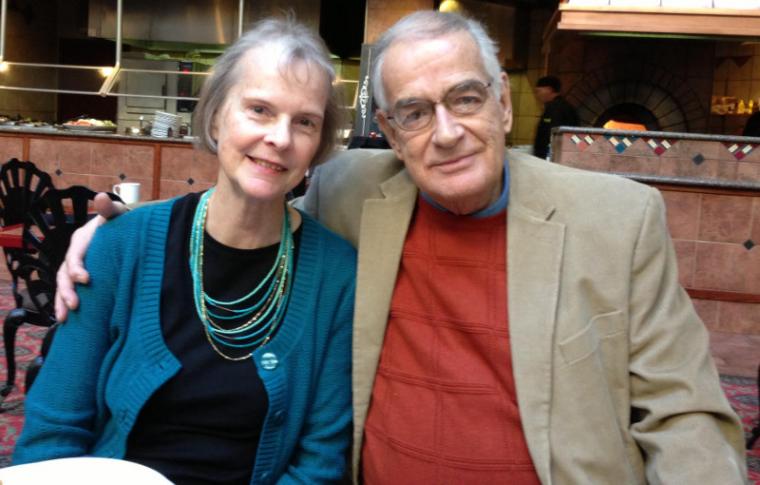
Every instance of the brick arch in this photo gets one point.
(672, 101)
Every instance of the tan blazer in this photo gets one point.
(615, 383)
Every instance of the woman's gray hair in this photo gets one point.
(430, 24)
(298, 43)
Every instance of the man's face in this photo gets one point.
(544, 93)
(457, 160)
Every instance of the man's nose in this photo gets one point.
(279, 134)
(448, 130)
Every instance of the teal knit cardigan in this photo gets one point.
(110, 357)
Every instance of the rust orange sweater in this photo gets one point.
(444, 408)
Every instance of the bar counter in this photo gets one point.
(165, 167)
(711, 188)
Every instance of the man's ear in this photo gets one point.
(506, 103)
(390, 133)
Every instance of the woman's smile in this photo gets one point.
(267, 165)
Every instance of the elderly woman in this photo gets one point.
(213, 341)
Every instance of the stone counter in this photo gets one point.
(165, 167)
(711, 187)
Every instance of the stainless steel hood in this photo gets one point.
(212, 22)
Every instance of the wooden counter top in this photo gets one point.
(64, 132)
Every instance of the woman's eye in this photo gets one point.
(307, 124)
(259, 111)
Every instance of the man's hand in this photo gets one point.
(72, 269)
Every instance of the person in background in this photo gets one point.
(515, 322)
(557, 112)
(212, 343)
(752, 127)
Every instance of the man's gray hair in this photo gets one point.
(430, 24)
(299, 44)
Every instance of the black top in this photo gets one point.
(557, 112)
(203, 425)
(752, 128)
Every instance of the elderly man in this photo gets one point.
(516, 321)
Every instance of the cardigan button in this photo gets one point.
(278, 417)
(269, 361)
(264, 477)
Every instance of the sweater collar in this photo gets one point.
(499, 205)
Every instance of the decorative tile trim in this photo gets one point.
(621, 142)
(582, 141)
(739, 150)
(659, 145)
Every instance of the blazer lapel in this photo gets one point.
(534, 258)
(384, 224)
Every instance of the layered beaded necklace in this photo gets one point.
(262, 309)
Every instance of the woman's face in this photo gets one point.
(270, 125)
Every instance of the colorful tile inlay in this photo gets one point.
(583, 141)
(659, 145)
(739, 150)
(621, 142)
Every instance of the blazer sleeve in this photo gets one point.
(321, 453)
(681, 418)
(62, 408)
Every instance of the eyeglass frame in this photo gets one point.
(432, 104)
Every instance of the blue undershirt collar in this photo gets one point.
(499, 205)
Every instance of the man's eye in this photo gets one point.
(467, 100)
(412, 114)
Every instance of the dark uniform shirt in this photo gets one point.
(557, 112)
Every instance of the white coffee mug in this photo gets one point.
(128, 191)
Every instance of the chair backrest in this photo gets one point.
(21, 183)
(53, 218)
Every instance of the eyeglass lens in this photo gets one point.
(463, 99)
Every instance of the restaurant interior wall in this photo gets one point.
(381, 14)
(526, 108)
(600, 72)
(60, 31)
(737, 77)
(31, 34)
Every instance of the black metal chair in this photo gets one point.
(21, 184)
(40, 287)
(50, 222)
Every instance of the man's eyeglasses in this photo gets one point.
(464, 99)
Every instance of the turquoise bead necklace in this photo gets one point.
(261, 314)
